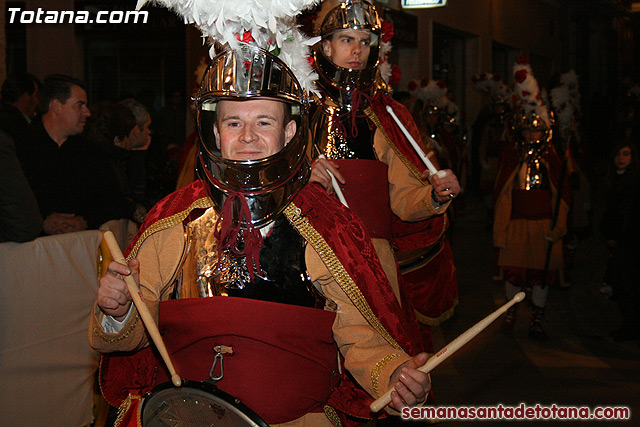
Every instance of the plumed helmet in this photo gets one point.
(244, 73)
(531, 114)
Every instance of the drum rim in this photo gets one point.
(210, 387)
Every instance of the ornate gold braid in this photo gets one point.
(414, 170)
(123, 408)
(336, 268)
(375, 372)
(120, 337)
(435, 321)
(333, 416)
(165, 223)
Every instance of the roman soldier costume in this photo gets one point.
(351, 125)
(253, 272)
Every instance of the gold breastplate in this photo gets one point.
(283, 278)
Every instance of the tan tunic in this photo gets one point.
(522, 241)
(410, 197)
(410, 201)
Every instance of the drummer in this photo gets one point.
(250, 264)
(384, 181)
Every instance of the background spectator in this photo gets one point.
(75, 187)
(20, 219)
(19, 104)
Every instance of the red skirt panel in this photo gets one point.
(284, 361)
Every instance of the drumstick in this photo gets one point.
(423, 157)
(136, 296)
(335, 185)
(451, 348)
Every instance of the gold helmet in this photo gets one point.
(340, 81)
(532, 132)
(532, 123)
(268, 184)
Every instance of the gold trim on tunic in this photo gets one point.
(375, 372)
(124, 408)
(412, 168)
(435, 321)
(119, 338)
(333, 416)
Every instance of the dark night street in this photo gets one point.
(580, 365)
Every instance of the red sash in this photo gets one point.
(531, 204)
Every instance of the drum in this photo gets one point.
(196, 404)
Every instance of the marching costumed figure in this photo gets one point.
(187, 173)
(530, 206)
(260, 282)
(490, 133)
(441, 118)
(565, 102)
(384, 181)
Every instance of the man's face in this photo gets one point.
(348, 48)
(622, 159)
(252, 129)
(73, 114)
(140, 137)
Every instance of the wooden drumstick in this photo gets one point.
(451, 348)
(145, 314)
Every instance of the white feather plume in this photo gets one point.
(494, 86)
(570, 81)
(563, 108)
(384, 66)
(528, 91)
(270, 23)
(433, 92)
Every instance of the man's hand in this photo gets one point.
(60, 223)
(444, 188)
(320, 174)
(412, 385)
(113, 295)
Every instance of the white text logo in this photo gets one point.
(40, 16)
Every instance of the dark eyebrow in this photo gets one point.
(261, 116)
